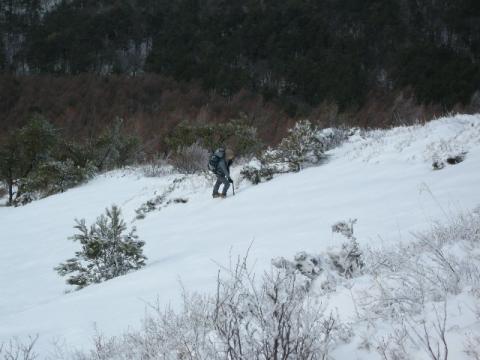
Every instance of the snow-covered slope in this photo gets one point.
(382, 178)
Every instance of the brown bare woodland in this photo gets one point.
(152, 106)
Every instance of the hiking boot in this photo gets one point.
(223, 196)
(216, 195)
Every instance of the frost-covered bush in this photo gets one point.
(16, 349)
(257, 171)
(274, 317)
(349, 260)
(157, 167)
(300, 146)
(442, 261)
(106, 251)
(439, 163)
(345, 228)
(333, 137)
(304, 145)
(158, 201)
(472, 347)
(400, 301)
(190, 159)
(447, 152)
(330, 267)
(405, 288)
(307, 264)
(413, 284)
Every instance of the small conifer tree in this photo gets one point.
(23, 150)
(349, 260)
(107, 251)
(300, 146)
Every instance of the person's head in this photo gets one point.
(220, 152)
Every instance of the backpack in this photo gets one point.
(213, 163)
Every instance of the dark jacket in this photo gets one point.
(222, 167)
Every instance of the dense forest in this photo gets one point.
(293, 54)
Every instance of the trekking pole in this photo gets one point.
(233, 188)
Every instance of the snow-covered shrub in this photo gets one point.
(345, 228)
(307, 267)
(276, 320)
(439, 164)
(401, 304)
(304, 145)
(16, 349)
(349, 260)
(257, 171)
(146, 207)
(177, 201)
(158, 201)
(472, 347)
(301, 146)
(413, 334)
(392, 346)
(333, 137)
(106, 251)
(452, 160)
(190, 159)
(443, 152)
(157, 167)
(327, 268)
(274, 317)
(414, 282)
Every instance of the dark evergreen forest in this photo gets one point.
(300, 52)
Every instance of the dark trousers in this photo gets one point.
(221, 180)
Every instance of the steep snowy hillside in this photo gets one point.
(382, 178)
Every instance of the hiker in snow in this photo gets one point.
(220, 166)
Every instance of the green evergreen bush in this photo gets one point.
(35, 161)
(24, 150)
(107, 251)
(113, 149)
(238, 136)
(53, 177)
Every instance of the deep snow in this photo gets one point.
(383, 178)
